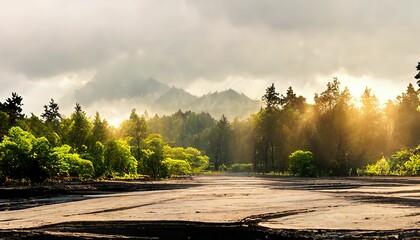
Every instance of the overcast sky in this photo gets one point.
(56, 49)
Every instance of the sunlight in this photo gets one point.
(383, 89)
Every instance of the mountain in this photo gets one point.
(174, 99)
(158, 98)
(230, 103)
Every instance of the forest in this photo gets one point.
(337, 135)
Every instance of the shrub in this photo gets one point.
(381, 167)
(224, 168)
(241, 167)
(412, 166)
(177, 167)
(64, 163)
(24, 156)
(118, 159)
(192, 156)
(302, 163)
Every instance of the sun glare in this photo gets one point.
(357, 86)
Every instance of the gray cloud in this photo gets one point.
(289, 42)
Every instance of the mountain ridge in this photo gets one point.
(160, 98)
(227, 102)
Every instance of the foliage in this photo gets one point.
(153, 157)
(118, 159)
(68, 164)
(302, 163)
(381, 167)
(13, 108)
(134, 129)
(241, 167)
(100, 131)
(51, 115)
(24, 156)
(177, 167)
(79, 129)
(192, 156)
(403, 162)
(412, 166)
(343, 135)
(97, 156)
(220, 142)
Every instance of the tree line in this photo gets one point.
(35, 149)
(337, 134)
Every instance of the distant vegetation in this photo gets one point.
(332, 137)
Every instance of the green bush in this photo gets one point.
(241, 167)
(177, 167)
(224, 168)
(412, 166)
(192, 156)
(302, 163)
(67, 164)
(381, 167)
(118, 159)
(24, 156)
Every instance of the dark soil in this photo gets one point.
(15, 198)
(191, 230)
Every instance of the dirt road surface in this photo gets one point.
(364, 205)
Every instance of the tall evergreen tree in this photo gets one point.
(136, 129)
(13, 108)
(51, 114)
(331, 139)
(266, 132)
(220, 142)
(80, 128)
(406, 119)
(271, 98)
(100, 130)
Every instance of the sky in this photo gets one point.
(64, 49)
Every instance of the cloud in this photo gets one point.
(203, 44)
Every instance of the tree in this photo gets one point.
(13, 108)
(418, 74)
(24, 156)
(51, 115)
(40, 129)
(242, 150)
(302, 163)
(266, 129)
(4, 123)
(289, 126)
(136, 129)
(118, 158)
(97, 153)
(271, 98)
(333, 124)
(153, 156)
(100, 130)
(80, 128)
(65, 163)
(370, 132)
(220, 143)
(406, 124)
(180, 160)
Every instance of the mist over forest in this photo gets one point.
(338, 135)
